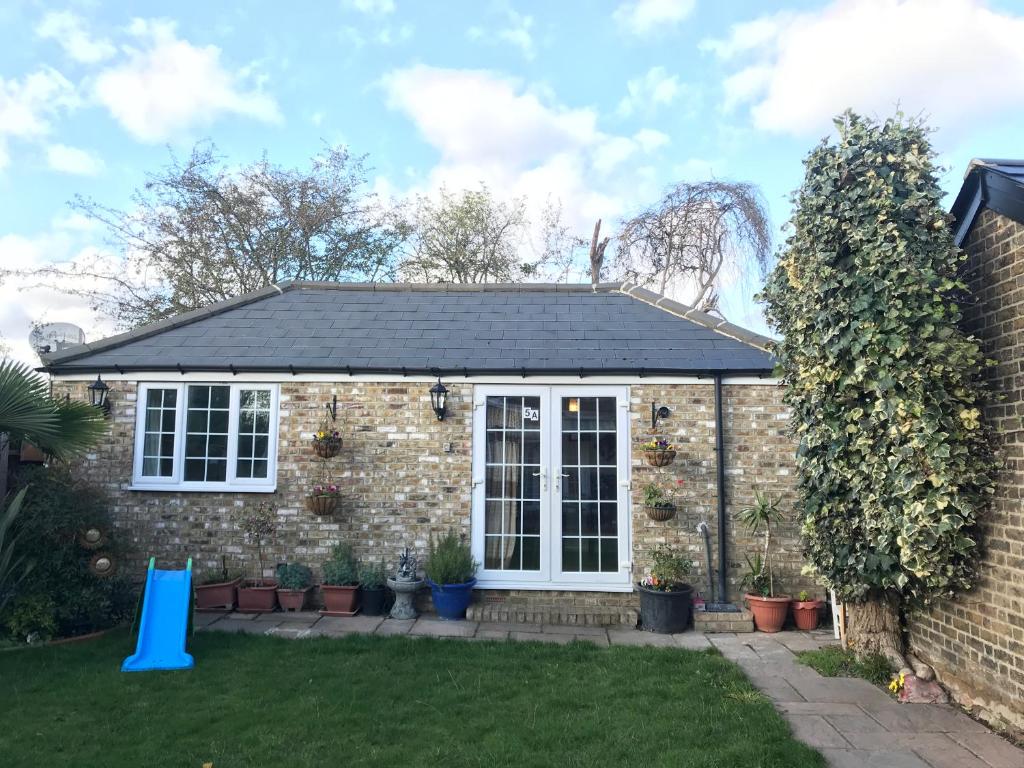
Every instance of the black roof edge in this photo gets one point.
(433, 371)
(151, 329)
(986, 185)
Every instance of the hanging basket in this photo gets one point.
(661, 512)
(660, 458)
(327, 448)
(322, 505)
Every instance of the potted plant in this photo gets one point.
(258, 595)
(768, 608)
(323, 499)
(806, 611)
(217, 591)
(374, 590)
(451, 575)
(658, 503)
(340, 587)
(294, 582)
(666, 600)
(659, 453)
(326, 442)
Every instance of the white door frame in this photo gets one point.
(550, 576)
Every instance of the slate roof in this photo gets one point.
(447, 329)
(994, 184)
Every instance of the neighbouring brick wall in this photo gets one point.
(399, 486)
(976, 643)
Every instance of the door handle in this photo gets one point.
(543, 479)
(558, 481)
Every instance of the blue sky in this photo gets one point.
(597, 105)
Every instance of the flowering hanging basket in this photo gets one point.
(661, 512)
(660, 457)
(327, 447)
(322, 505)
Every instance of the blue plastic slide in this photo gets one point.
(165, 607)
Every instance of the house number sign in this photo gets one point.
(531, 414)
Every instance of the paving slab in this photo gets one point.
(564, 629)
(491, 634)
(240, 626)
(442, 628)
(297, 617)
(544, 637)
(921, 718)
(863, 758)
(395, 627)
(816, 731)
(348, 624)
(818, 708)
(692, 641)
(201, 620)
(507, 626)
(242, 616)
(857, 722)
(291, 632)
(937, 749)
(993, 749)
(638, 638)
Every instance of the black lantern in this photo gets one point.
(98, 391)
(438, 398)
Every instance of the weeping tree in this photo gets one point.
(894, 461)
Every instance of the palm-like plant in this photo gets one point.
(61, 428)
(762, 514)
(12, 569)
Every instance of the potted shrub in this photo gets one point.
(806, 611)
(340, 587)
(258, 595)
(373, 588)
(217, 591)
(768, 608)
(451, 575)
(323, 499)
(666, 600)
(658, 453)
(658, 503)
(326, 442)
(294, 582)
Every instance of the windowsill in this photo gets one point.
(551, 586)
(208, 489)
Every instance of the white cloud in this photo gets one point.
(70, 33)
(521, 141)
(516, 32)
(654, 89)
(28, 106)
(955, 60)
(61, 157)
(372, 7)
(167, 85)
(643, 17)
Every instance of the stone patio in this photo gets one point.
(852, 722)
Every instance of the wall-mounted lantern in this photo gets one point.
(658, 413)
(438, 399)
(98, 392)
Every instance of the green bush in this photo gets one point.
(450, 560)
(56, 508)
(32, 618)
(294, 576)
(372, 575)
(342, 569)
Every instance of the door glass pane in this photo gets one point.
(589, 474)
(512, 492)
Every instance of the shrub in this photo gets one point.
(372, 575)
(55, 510)
(450, 560)
(294, 576)
(342, 569)
(669, 570)
(32, 618)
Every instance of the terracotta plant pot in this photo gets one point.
(807, 613)
(327, 449)
(661, 512)
(769, 612)
(219, 596)
(322, 505)
(292, 599)
(340, 601)
(659, 458)
(257, 599)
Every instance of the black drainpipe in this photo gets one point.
(720, 471)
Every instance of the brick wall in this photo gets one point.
(976, 643)
(399, 486)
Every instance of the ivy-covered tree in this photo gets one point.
(895, 463)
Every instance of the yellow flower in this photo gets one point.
(321, 435)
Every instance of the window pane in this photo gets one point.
(195, 446)
(150, 466)
(246, 421)
(220, 397)
(609, 555)
(588, 519)
(531, 517)
(610, 519)
(151, 445)
(588, 413)
(531, 553)
(243, 468)
(570, 518)
(216, 470)
(168, 421)
(195, 469)
(158, 433)
(153, 419)
(198, 397)
(244, 445)
(571, 555)
(492, 516)
(607, 449)
(588, 448)
(259, 468)
(588, 484)
(606, 413)
(218, 446)
(609, 491)
(219, 421)
(589, 549)
(197, 421)
(531, 447)
(263, 422)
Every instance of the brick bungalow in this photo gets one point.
(551, 388)
(976, 643)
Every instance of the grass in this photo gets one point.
(361, 701)
(833, 661)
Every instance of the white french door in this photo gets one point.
(551, 487)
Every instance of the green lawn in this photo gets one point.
(357, 701)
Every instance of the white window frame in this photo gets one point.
(550, 576)
(176, 482)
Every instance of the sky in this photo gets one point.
(597, 106)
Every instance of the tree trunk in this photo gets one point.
(874, 627)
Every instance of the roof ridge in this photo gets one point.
(694, 315)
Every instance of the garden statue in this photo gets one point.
(405, 585)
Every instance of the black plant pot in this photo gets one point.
(374, 600)
(665, 612)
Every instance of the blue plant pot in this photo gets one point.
(452, 600)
